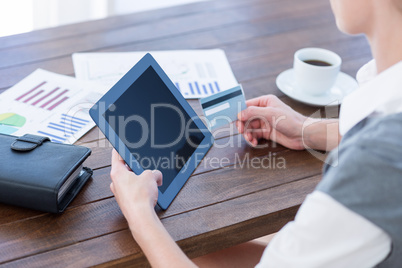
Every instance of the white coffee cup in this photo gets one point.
(313, 79)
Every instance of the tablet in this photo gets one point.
(152, 126)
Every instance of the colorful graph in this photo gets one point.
(205, 85)
(46, 99)
(49, 104)
(63, 129)
(11, 122)
(198, 89)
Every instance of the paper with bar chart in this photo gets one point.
(196, 73)
(49, 104)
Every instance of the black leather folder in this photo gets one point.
(39, 174)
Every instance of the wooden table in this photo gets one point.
(218, 207)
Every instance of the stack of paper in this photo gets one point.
(57, 106)
(196, 73)
(48, 104)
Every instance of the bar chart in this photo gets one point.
(44, 98)
(195, 73)
(49, 104)
(197, 89)
(68, 125)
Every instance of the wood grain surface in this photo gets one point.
(220, 205)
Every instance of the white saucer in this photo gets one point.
(344, 85)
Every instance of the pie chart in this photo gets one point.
(11, 122)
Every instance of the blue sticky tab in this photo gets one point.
(222, 108)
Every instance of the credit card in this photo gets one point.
(222, 108)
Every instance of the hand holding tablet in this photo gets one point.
(152, 126)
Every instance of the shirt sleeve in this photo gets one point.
(327, 234)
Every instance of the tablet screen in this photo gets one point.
(154, 126)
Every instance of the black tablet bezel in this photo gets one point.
(96, 112)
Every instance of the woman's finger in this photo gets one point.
(256, 123)
(254, 102)
(118, 165)
(117, 161)
(240, 126)
(158, 177)
(112, 187)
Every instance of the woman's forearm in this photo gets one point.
(156, 243)
(321, 134)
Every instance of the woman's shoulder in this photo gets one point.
(368, 159)
(377, 135)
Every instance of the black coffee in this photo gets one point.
(317, 62)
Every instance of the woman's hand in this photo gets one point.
(269, 118)
(133, 191)
(137, 196)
